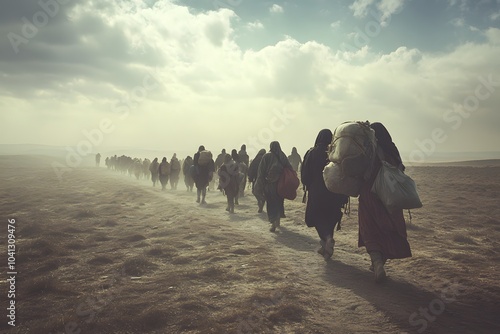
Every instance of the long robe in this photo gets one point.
(270, 169)
(379, 230)
(323, 210)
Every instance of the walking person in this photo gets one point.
(253, 170)
(269, 172)
(295, 159)
(153, 169)
(324, 208)
(186, 170)
(164, 172)
(204, 169)
(229, 181)
(175, 171)
(382, 233)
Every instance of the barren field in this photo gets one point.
(102, 252)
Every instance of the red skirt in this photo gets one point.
(379, 230)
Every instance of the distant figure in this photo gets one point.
(175, 170)
(203, 175)
(243, 168)
(186, 170)
(164, 173)
(153, 168)
(324, 208)
(382, 233)
(107, 162)
(145, 168)
(244, 164)
(253, 169)
(295, 159)
(220, 159)
(97, 159)
(137, 165)
(229, 181)
(269, 172)
(243, 155)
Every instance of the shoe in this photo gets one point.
(371, 265)
(227, 209)
(321, 250)
(203, 202)
(378, 266)
(197, 200)
(329, 244)
(273, 226)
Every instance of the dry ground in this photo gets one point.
(101, 252)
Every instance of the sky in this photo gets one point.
(175, 74)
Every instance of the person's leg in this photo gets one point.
(203, 195)
(378, 262)
(198, 194)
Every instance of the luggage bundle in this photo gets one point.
(351, 156)
(205, 158)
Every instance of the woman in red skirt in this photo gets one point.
(383, 233)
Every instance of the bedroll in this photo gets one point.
(205, 158)
(351, 153)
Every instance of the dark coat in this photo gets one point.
(323, 206)
(203, 174)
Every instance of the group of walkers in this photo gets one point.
(382, 233)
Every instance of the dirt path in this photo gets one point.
(105, 253)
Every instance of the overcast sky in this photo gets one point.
(172, 75)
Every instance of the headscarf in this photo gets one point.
(235, 156)
(164, 160)
(201, 148)
(227, 158)
(275, 148)
(384, 140)
(324, 138)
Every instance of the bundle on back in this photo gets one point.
(351, 156)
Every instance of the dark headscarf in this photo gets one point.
(164, 159)
(324, 138)
(275, 148)
(235, 156)
(384, 140)
(201, 148)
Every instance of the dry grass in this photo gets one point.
(196, 270)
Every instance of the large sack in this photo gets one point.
(288, 184)
(352, 150)
(205, 158)
(395, 189)
(165, 169)
(339, 183)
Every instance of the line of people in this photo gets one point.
(382, 233)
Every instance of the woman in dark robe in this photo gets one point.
(269, 172)
(164, 172)
(383, 233)
(253, 169)
(324, 208)
(229, 181)
(203, 176)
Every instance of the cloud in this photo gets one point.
(276, 9)
(360, 7)
(495, 16)
(73, 73)
(458, 22)
(335, 25)
(256, 25)
(385, 9)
